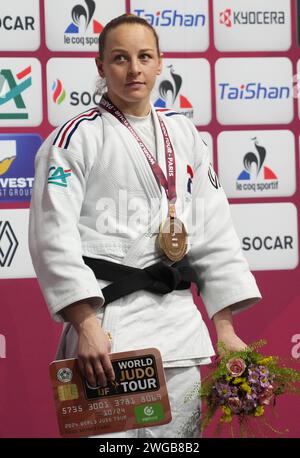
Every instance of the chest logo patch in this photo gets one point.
(58, 176)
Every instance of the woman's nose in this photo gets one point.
(134, 67)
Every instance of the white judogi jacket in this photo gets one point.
(95, 195)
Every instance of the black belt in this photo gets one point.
(158, 278)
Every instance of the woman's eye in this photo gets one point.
(120, 58)
(145, 56)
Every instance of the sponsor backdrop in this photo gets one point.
(230, 66)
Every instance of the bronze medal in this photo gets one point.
(173, 238)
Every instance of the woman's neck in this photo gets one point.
(141, 108)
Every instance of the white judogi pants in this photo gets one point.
(182, 383)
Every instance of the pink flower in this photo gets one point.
(236, 366)
(267, 396)
(234, 404)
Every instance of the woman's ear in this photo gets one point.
(160, 65)
(99, 65)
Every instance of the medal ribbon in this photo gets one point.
(169, 183)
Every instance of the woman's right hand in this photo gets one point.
(93, 343)
(93, 349)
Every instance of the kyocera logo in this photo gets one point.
(172, 18)
(253, 90)
(2, 346)
(230, 18)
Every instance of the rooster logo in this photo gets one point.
(253, 163)
(169, 88)
(82, 16)
(169, 92)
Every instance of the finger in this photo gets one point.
(89, 374)
(81, 366)
(109, 371)
(100, 374)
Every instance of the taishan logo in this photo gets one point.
(12, 89)
(256, 176)
(59, 94)
(82, 24)
(230, 18)
(8, 244)
(253, 90)
(58, 176)
(171, 18)
(170, 96)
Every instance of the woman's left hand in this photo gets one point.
(232, 342)
(225, 331)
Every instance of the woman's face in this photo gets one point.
(130, 65)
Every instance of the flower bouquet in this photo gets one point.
(242, 384)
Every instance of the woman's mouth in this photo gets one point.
(135, 84)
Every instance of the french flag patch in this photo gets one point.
(190, 178)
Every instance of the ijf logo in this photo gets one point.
(170, 95)
(8, 244)
(81, 24)
(256, 174)
(11, 88)
(17, 155)
(64, 375)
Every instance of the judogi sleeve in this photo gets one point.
(216, 251)
(54, 237)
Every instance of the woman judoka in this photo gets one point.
(109, 184)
